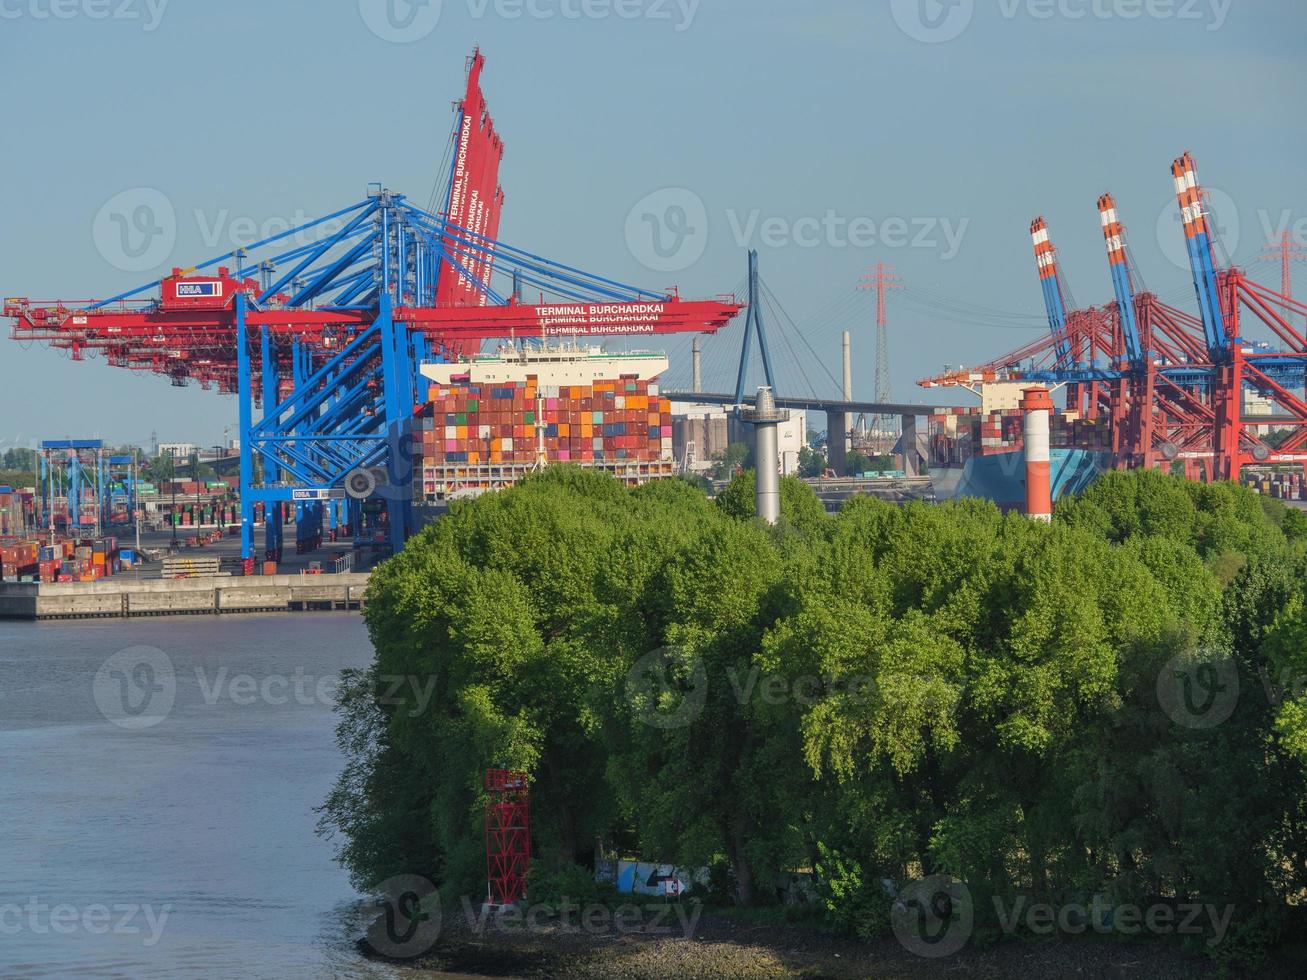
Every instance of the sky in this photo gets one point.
(653, 142)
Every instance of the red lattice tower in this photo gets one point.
(508, 836)
(1285, 252)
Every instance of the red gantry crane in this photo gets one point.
(1174, 386)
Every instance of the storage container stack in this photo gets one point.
(481, 437)
(958, 434)
(1280, 485)
(65, 561)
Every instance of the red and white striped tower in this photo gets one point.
(1037, 406)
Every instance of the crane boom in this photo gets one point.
(1114, 235)
(1046, 261)
(1198, 243)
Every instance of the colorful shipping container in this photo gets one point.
(477, 437)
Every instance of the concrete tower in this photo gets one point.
(765, 416)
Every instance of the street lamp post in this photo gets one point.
(172, 474)
(135, 498)
(195, 478)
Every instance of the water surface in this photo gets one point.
(158, 836)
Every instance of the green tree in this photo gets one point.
(731, 460)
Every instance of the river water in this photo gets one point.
(158, 780)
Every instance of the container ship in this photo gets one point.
(980, 452)
(491, 420)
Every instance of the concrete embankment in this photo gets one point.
(171, 597)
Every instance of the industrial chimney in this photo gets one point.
(765, 416)
(1037, 406)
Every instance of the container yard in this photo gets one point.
(664, 624)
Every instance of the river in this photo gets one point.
(172, 833)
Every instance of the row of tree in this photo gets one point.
(1057, 711)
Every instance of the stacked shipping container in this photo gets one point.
(479, 437)
(1280, 485)
(960, 433)
(65, 561)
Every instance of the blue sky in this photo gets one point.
(937, 129)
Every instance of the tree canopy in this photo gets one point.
(886, 692)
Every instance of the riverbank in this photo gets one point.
(730, 947)
(123, 597)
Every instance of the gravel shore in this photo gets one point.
(722, 946)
